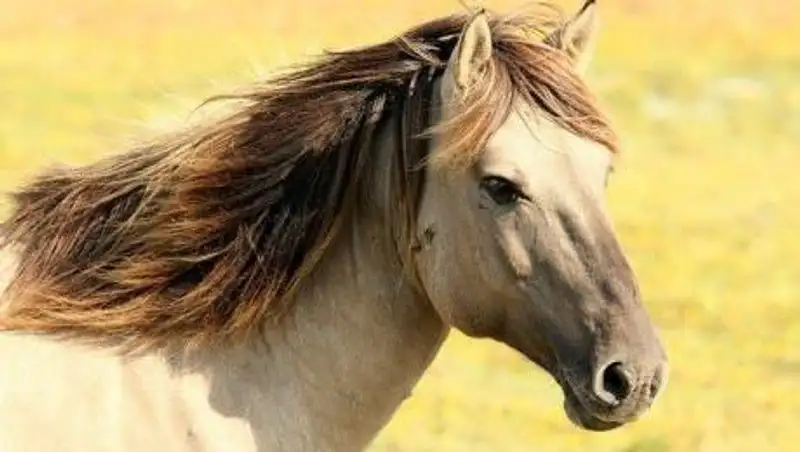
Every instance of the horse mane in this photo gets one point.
(202, 235)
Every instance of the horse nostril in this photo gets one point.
(613, 384)
(657, 383)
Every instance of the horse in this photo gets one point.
(279, 277)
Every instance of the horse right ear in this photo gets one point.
(469, 59)
(577, 37)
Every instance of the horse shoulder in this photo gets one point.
(68, 397)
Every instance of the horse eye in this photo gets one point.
(501, 190)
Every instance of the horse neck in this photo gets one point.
(355, 343)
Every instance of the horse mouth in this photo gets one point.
(582, 411)
(579, 415)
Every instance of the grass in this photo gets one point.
(706, 197)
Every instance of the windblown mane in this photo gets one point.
(202, 235)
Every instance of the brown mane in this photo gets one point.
(202, 236)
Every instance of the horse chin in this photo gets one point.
(582, 418)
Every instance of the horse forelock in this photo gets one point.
(203, 236)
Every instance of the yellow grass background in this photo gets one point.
(706, 197)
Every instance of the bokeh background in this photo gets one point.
(706, 95)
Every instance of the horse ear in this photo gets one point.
(577, 37)
(469, 58)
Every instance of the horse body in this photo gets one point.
(327, 378)
(281, 279)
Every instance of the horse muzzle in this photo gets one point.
(613, 396)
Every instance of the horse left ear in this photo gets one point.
(470, 57)
(577, 37)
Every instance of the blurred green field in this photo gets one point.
(705, 94)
